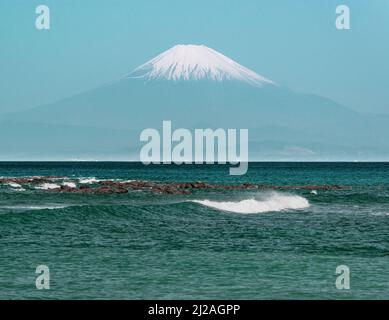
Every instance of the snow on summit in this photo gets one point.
(195, 62)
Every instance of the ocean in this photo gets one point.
(275, 242)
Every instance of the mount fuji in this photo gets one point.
(195, 87)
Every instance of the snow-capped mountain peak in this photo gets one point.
(196, 62)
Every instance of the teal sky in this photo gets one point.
(293, 42)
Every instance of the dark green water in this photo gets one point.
(143, 245)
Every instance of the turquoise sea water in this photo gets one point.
(203, 245)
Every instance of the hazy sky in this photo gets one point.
(293, 42)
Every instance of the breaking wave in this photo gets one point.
(48, 186)
(69, 184)
(268, 203)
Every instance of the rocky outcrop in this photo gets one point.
(122, 187)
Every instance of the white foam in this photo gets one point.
(88, 180)
(268, 203)
(69, 184)
(314, 192)
(91, 180)
(47, 186)
(15, 185)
